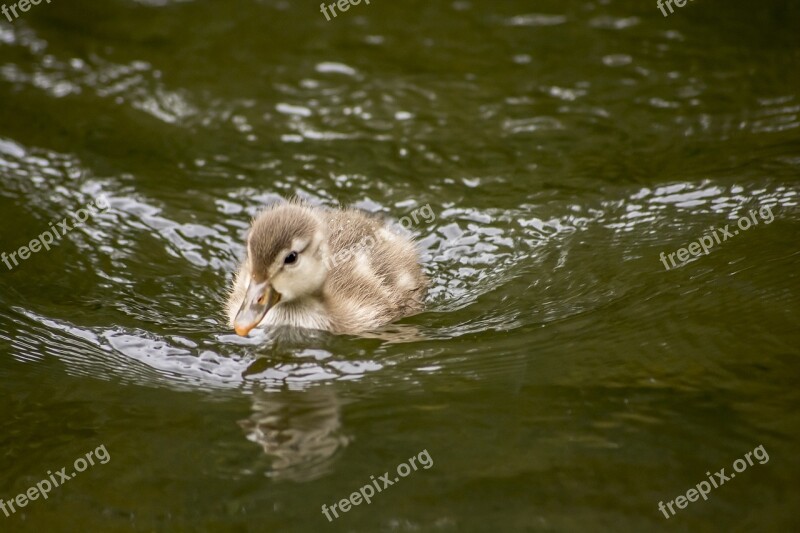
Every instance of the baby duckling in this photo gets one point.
(329, 269)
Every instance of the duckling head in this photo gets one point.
(286, 261)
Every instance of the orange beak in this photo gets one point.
(259, 299)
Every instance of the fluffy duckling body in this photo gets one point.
(336, 270)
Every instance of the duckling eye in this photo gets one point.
(291, 258)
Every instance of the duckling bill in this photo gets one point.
(329, 269)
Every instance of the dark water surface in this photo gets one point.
(562, 378)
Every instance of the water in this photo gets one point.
(562, 379)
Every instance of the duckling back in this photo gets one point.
(374, 273)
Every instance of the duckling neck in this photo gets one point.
(308, 312)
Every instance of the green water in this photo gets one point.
(562, 379)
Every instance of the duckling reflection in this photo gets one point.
(397, 333)
(300, 430)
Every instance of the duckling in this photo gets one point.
(338, 270)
